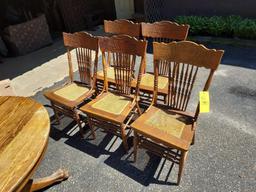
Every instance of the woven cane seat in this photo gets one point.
(112, 104)
(109, 106)
(166, 123)
(71, 92)
(110, 74)
(169, 127)
(148, 80)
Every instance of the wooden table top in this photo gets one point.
(24, 133)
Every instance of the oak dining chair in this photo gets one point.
(163, 31)
(117, 27)
(168, 129)
(66, 99)
(113, 110)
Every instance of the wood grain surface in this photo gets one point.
(24, 132)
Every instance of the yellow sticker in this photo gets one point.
(204, 99)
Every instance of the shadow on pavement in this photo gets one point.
(142, 171)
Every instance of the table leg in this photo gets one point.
(41, 183)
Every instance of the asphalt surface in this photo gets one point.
(222, 159)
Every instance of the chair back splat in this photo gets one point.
(181, 61)
(86, 50)
(122, 27)
(123, 51)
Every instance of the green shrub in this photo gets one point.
(230, 26)
(232, 23)
(216, 26)
(246, 29)
(197, 24)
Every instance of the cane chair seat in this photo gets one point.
(110, 106)
(71, 92)
(169, 127)
(69, 95)
(110, 75)
(106, 104)
(147, 83)
(148, 80)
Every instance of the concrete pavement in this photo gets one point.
(222, 159)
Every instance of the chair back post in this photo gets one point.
(206, 88)
(66, 38)
(156, 74)
(183, 60)
(70, 65)
(141, 71)
(105, 65)
(95, 69)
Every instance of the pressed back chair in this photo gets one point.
(118, 27)
(163, 31)
(66, 99)
(113, 111)
(168, 129)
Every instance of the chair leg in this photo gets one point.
(165, 99)
(78, 121)
(57, 118)
(138, 107)
(181, 165)
(135, 146)
(124, 137)
(91, 127)
(193, 140)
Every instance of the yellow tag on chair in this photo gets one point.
(204, 99)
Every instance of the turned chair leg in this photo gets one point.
(181, 165)
(78, 121)
(138, 107)
(57, 117)
(135, 146)
(193, 139)
(124, 137)
(91, 127)
(165, 99)
(41, 183)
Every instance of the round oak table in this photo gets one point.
(24, 133)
